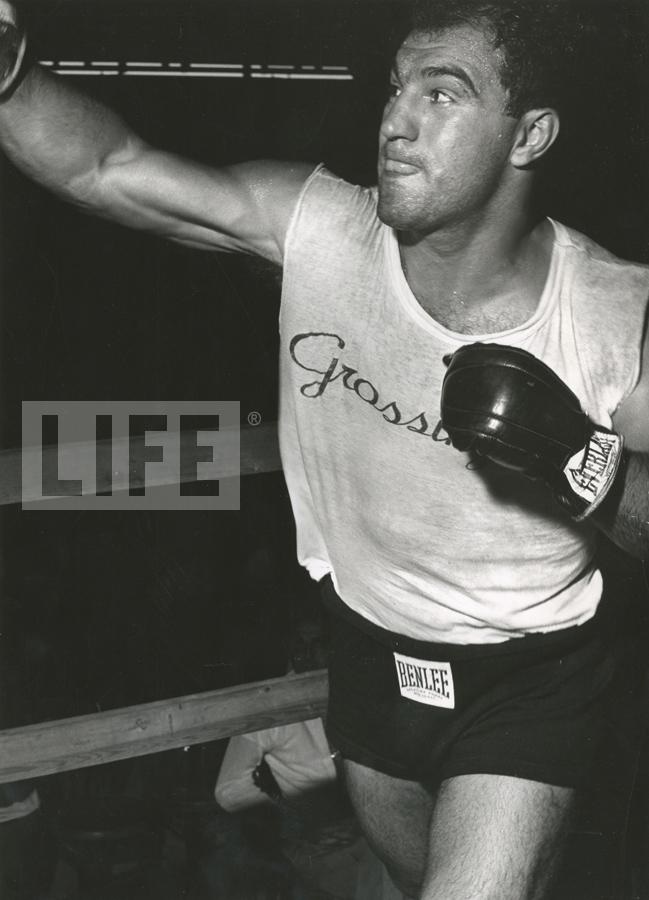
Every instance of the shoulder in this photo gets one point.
(607, 295)
(614, 296)
(632, 417)
(604, 301)
(326, 189)
(329, 209)
(284, 196)
(593, 265)
(273, 189)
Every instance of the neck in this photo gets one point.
(479, 276)
(475, 249)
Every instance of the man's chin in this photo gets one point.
(394, 216)
(393, 207)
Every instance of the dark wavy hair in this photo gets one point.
(539, 39)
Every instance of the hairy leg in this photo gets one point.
(494, 837)
(484, 837)
(394, 815)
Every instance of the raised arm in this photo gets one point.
(84, 152)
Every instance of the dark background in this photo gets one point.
(109, 609)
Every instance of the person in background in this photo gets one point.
(293, 768)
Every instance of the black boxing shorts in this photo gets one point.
(530, 707)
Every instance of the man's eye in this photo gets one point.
(438, 97)
(394, 90)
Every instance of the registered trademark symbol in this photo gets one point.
(254, 418)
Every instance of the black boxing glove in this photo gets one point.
(505, 404)
(12, 47)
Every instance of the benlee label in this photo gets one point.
(425, 681)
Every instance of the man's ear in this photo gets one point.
(537, 130)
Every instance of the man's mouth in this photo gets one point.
(396, 166)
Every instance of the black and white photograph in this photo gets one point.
(324, 464)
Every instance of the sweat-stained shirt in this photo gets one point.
(416, 538)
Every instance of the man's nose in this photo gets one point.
(400, 120)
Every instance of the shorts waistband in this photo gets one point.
(539, 643)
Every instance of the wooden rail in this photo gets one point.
(74, 743)
(259, 452)
(65, 744)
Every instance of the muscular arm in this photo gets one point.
(84, 152)
(625, 517)
(627, 521)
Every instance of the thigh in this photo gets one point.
(494, 837)
(394, 815)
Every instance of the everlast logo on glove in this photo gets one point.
(504, 404)
(425, 682)
(590, 472)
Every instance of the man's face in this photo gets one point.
(445, 138)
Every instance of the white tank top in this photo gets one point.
(415, 539)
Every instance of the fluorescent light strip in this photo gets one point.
(216, 66)
(201, 70)
(302, 76)
(180, 74)
(287, 76)
(87, 71)
(176, 65)
(346, 77)
(156, 73)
